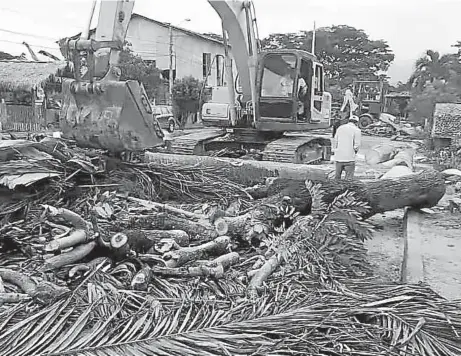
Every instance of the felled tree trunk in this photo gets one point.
(245, 172)
(421, 190)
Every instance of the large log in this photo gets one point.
(420, 190)
(402, 158)
(202, 229)
(245, 172)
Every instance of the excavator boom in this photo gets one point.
(238, 21)
(99, 110)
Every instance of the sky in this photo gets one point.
(410, 27)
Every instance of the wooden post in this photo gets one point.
(170, 74)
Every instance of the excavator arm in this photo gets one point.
(238, 20)
(99, 110)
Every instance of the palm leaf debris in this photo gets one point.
(306, 289)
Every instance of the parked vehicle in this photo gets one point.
(165, 117)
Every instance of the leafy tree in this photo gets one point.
(134, 68)
(186, 96)
(436, 79)
(432, 67)
(347, 53)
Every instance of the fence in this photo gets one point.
(22, 117)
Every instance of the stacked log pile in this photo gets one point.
(101, 258)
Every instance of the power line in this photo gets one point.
(28, 34)
(30, 44)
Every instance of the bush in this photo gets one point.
(421, 106)
(134, 68)
(186, 96)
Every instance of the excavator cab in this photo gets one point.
(99, 110)
(291, 93)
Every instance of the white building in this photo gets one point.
(194, 54)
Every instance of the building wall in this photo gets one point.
(151, 41)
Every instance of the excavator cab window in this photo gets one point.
(278, 79)
(278, 75)
(318, 80)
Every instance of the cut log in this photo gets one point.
(420, 190)
(42, 291)
(164, 207)
(78, 236)
(142, 279)
(397, 172)
(202, 229)
(199, 271)
(13, 298)
(180, 257)
(380, 153)
(226, 260)
(259, 275)
(245, 172)
(67, 258)
(402, 158)
(251, 227)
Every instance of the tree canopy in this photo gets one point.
(134, 68)
(436, 79)
(347, 53)
(186, 96)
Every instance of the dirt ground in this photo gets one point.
(441, 247)
(385, 249)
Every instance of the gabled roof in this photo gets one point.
(166, 25)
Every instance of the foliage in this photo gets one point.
(346, 52)
(186, 96)
(134, 68)
(436, 79)
(306, 310)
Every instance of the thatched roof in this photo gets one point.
(22, 75)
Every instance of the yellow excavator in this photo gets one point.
(275, 92)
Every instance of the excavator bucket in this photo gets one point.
(110, 115)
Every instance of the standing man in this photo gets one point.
(346, 144)
(349, 106)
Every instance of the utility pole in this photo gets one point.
(170, 75)
(313, 41)
(230, 79)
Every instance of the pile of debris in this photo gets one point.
(102, 257)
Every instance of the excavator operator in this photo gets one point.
(286, 83)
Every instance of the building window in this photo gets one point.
(150, 62)
(219, 70)
(206, 64)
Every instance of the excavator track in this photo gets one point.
(194, 143)
(298, 149)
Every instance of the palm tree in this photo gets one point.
(431, 67)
